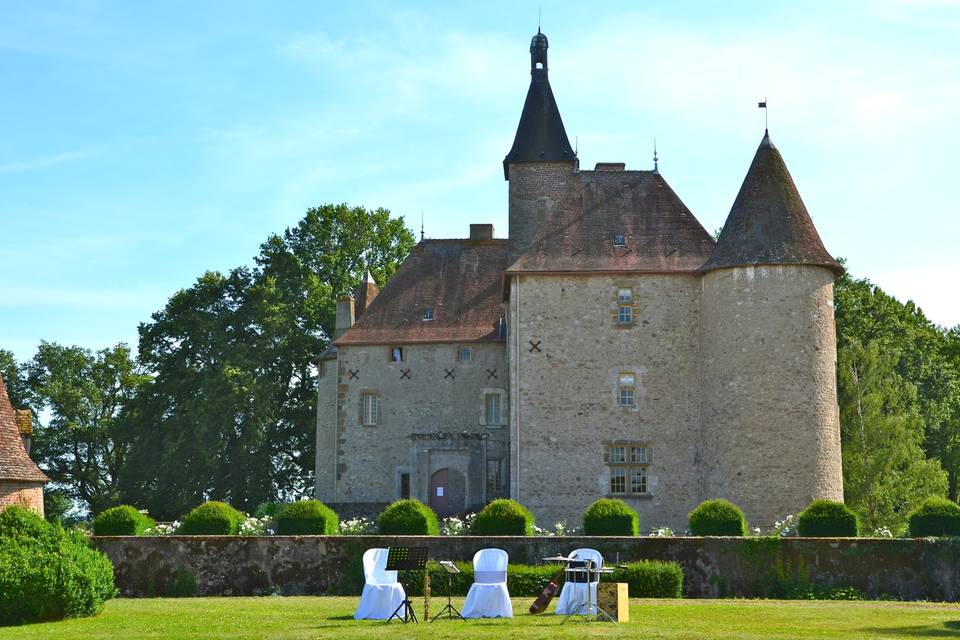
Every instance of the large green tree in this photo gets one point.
(230, 410)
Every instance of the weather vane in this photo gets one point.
(655, 158)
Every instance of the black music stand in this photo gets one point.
(406, 559)
(450, 610)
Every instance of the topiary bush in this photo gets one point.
(121, 521)
(828, 519)
(717, 518)
(651, 579)
(408, 517)
(46, 572)
(503, 517)
(306, 517)
(609, 517)
(935, 517)
(211, 519)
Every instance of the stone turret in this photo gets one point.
(541, 161)
(771, 434)
(21, 481)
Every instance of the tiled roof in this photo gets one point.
(768, 223)
(659, 232)
(459, 280)
(15, 464)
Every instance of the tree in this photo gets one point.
(885, 470)
(82, 447)
(230, 411)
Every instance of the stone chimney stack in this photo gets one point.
(366, 292)
(25, 425)
(345, 316)
(481, 232)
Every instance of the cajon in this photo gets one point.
(614, 598)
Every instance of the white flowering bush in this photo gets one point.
(357, 526)
(162, 529)
(454, 526)
(785, 527)
(252, 526)
(882, 532)
(662, 532)
(559, 529)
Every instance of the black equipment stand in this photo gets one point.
(450, 610)
(406, 559)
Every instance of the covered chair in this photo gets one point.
(488, 596)
(382, 594)
(580, 585)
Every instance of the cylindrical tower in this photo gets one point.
(771, 432)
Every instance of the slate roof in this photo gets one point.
(660, 233)
(460, 280)
(768, 223)
(15, 464)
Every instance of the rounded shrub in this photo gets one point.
(608, 517)
(828, 519)
(211, 519)
(46, 572)
(717, 518)
(935, 517)
(408, 517)
(306, 517)
(121, 521)
(503, 517)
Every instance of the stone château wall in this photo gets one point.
(921, 569)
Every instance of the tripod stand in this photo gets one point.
(449, 609)
(406, 559)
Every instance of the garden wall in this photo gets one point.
(918, 569)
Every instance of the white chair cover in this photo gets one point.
(573, 597)
(382, 594)
(488, 596)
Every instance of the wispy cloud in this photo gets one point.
(76, 298)
(45, 162)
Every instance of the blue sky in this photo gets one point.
(144, 143)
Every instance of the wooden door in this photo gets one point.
(440, 492)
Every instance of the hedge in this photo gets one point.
(647, 579)
(717, 518)
(121, 521)
(306, 517)
(934, 517)
(609, 517)
(211, 519)
(408, 517)
(48, 573)
(826, 519)
(503, 517)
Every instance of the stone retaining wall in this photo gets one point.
(921, 569)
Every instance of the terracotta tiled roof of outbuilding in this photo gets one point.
(768, 223)
(459, 280)
(659, 233)
(15, 464)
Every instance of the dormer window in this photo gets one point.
(428, 313)
(619, 240)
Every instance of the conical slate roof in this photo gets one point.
(768, 223)
(540, 134)
(15, 464)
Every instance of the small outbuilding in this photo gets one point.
(21, 480)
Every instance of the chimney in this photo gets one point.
(345, 316)
(611, 166)
(481, 232)
(366, 292)
(25, 426)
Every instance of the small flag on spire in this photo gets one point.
(762, 105)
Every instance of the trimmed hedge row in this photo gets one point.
(121, 521)
(717, 518)
(306, 517)
(408, 517)
(828, 519)
(503, 518)
(607, 517)
(211, 519)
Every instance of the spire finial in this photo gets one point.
(421, 225)
(655, 158)
(538, 52)
(763, 105)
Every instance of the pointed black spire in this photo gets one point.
(768, 223)
(540, 134)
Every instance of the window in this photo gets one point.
(625, 306)
(491, 404)
(370, 403)
(404, 486)
(626, 390)
(396, 354)
(464, 354)
(619, 240)
(629, 465)
(494, 476)
(428, 313)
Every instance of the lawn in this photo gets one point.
(308, 617)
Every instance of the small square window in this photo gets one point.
(627, 380)
(638, 480)
(625, 314)
(464, 354)
(371, 409)
(618, 480)
(396, 354)
(619, 240)
(618, 455)
(638, 455)
(428, 313)
(624, 295)
(627, 398)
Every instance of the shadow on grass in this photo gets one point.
(949, 629)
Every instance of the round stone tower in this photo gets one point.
(771, 431)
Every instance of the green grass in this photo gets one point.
(307, 617)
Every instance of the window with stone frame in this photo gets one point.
(464, 354)
(629, 464)
(624, 306)
(627, 389)
(369, 409)
(494, 475)
(404, 488)
(396, 354)
(492, 408)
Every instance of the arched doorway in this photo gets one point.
(448, 492)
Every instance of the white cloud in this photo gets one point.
(43, 162)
